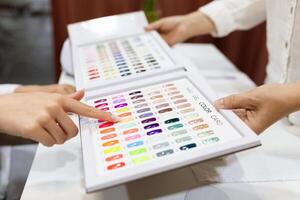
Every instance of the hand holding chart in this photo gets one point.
(263, 106)
(179, 28)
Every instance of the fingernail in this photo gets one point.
(115, 118)
(219, 103)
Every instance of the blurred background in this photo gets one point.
(26, 42)
(32, 33)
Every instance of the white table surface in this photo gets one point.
(269, 172)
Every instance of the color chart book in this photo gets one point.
(167, 117)
(106, 58)
(122, 57)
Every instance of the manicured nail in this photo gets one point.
(219, 103)
(115, 118)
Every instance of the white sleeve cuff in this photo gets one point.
(221, 16)
(66, 57)
(8, 88)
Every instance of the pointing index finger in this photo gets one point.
(82, 109)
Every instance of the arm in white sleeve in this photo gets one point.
(66, 58)
(8, 88)
(231, 15)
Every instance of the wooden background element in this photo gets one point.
(246, 49)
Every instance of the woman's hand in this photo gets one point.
(263, 106)
(54, 88)
(43, 116)
(180, 28)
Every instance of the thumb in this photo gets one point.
(170, 39)
(234, 102)
(78, 95)
(153, 26)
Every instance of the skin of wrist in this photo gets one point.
(199, 24)
(4, 127)
(294, 95)
(24, 88)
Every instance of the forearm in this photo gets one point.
(231, 15)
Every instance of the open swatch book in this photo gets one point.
(168, 120)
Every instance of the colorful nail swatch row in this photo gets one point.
(122, 57)
(157, 121)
